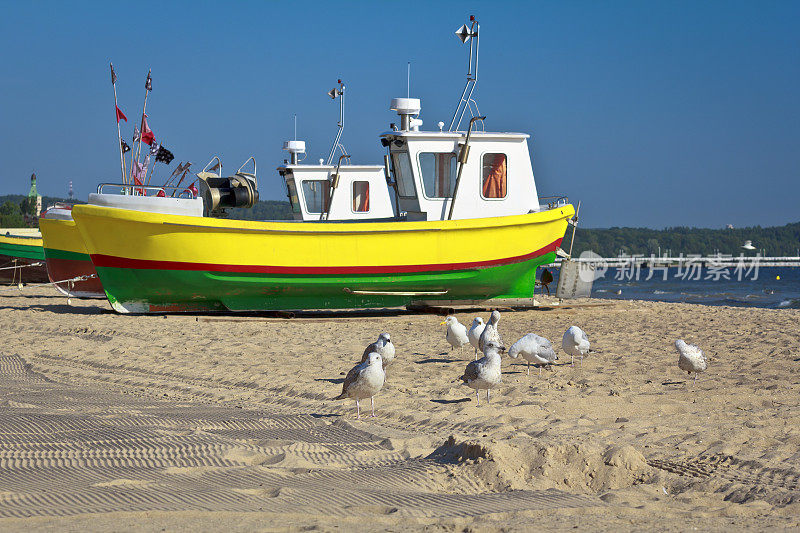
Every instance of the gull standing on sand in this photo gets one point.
(456, 333)
(534, 349)
(690, 358)
(485, 372)
(475, 332)
(382, 346)
(490, 332)
(575, 342)
(364, 381)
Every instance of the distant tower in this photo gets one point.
(33, 196)
(71, 194)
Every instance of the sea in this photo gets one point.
(768, 287)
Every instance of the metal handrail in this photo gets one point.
(129, 189)
(554, 201)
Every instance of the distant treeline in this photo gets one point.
(775, 241)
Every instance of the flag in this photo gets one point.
(113, 75)
(154, 148)
(125, 147)
(177, 170)
(164, 155)
(148, 85)
(121, 115)
(135, 134)
(191, 188)
(147, 134)
(161, 193)
(138, 173)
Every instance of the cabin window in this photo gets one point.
(438, 174)
(495, 173)
(403, 175)
(292, 190)
(317, 194)
(360, 196)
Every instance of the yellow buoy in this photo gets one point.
(778, 278)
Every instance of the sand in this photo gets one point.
(623, 442)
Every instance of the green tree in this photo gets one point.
(11, 216)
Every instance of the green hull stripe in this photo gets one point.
(54, 253)
(22, 250)
(181, 290)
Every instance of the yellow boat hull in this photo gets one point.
(152, 262)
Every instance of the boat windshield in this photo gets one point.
(438, 174)
(292, 188)
(316, 194)
(405, 178)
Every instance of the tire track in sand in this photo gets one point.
(68, 450)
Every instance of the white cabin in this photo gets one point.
(497, 179)
(361, 192)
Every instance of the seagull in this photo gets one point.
(490, 331)
(575, 342)
(690, 358)
(485, 372)
(364, 381)
(534, 349)
(474, 333)
(456, 332)
(382, 346)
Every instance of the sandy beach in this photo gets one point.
(243, 407)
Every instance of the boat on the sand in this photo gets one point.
(22, 256)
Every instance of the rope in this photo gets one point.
(15, 267)
(71, 280)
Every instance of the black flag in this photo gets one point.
(164, 155)
(113, 75)
(125, 147)
(148, 85)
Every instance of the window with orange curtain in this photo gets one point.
(494, 176)
(360, 196)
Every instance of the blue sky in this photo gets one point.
(652, 114)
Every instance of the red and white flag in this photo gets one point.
(147, 134)
(138, 173)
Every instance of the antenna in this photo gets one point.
(338, 92)
(468, 34)
(408, 82)
(295, 126)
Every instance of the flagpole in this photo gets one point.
(141, 123)
(116, 115)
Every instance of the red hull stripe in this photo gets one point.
(111, 261)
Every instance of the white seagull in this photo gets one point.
(575, 342)
(474, 333)
(490, 332)
(690, 358)
(382, 346)
(534, 349)
(364, 381)
(485, 372)
(456, 333)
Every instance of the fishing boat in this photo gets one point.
(69, 267)
(469, 226)
(22, 256)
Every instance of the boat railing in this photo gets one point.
(142, 190)
(552, 202)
